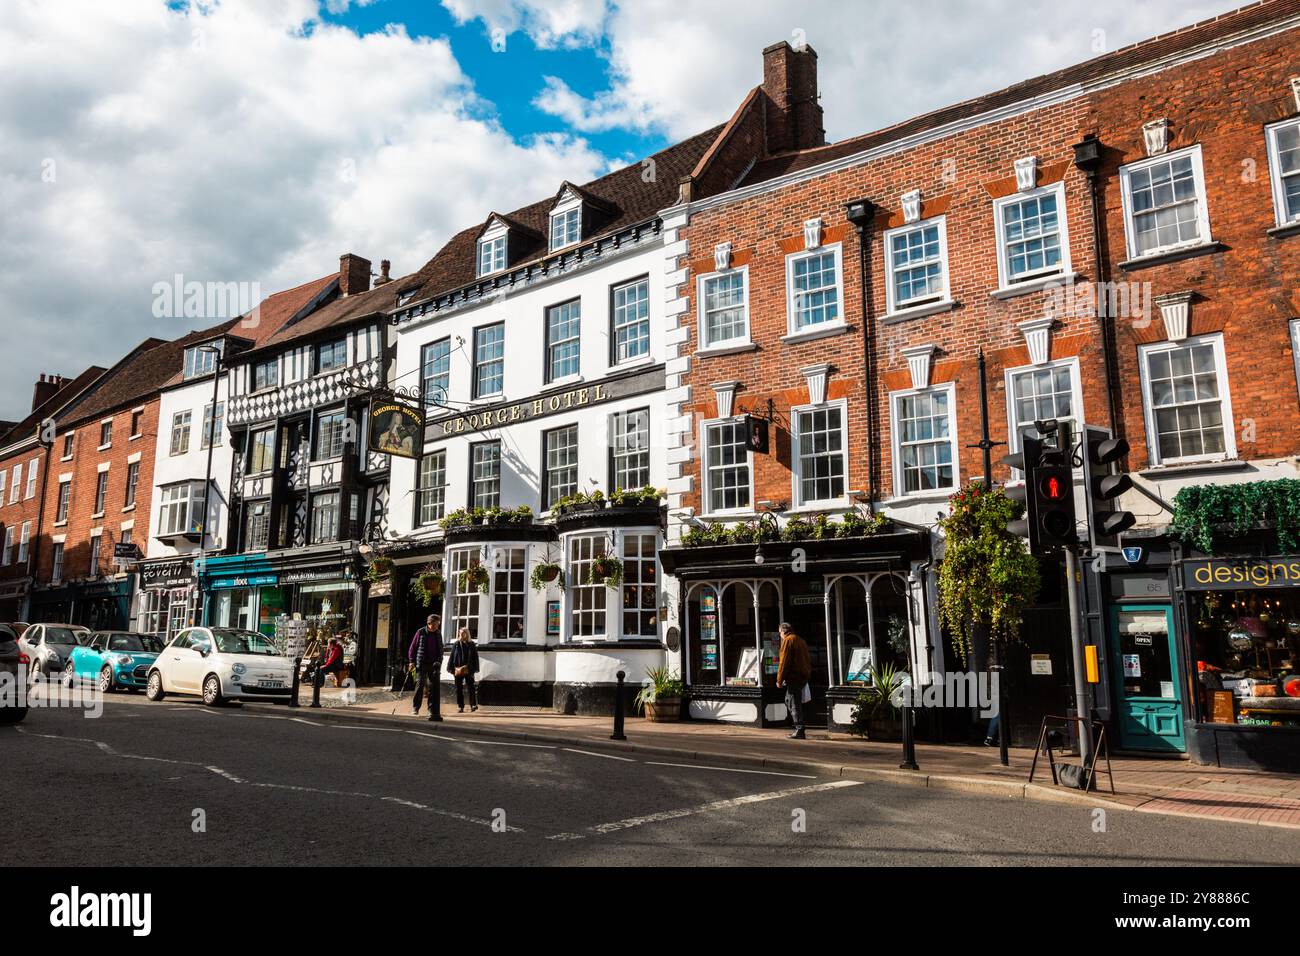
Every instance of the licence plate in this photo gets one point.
(270, 683)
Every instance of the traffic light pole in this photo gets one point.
(1082, 705)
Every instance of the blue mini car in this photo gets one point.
(113, 659)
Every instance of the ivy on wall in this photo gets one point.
(987, 577)
(1205, 514)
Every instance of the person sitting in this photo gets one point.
(332, 664)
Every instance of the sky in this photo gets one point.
(254, 142)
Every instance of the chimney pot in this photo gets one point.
(354, 274)
(384, 267)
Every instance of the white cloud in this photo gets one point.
(548, 23)
(247, 142)
(680, 71)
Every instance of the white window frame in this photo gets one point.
(892, 305)
(702, 316)
(491, 250)
(564, 237)
(436, 500)
(1202, 205)
(180, 427)
(569, 312)
(1076, 390)
(6, 556)
(1275, 171)
(58, 551)
(619, 450)
(16, 483)
(1006, 281)
(706, 485)
(213, 423)
(32, 467)
(796, 475)
(614, 540)
(63, 509)
(4, 483)
(835, 249)
(24, 539)
(1225, 400)
(180, 509)
(895, 448)
(1295, 350)
(101, 493)
(550, 498)
(634, 326)
(105, 426)
(478, 364)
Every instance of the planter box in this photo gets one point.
(664, 711)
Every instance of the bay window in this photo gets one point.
(597, 612)
(180, 509)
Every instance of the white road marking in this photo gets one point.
(765, 773)
(503, 743)
(663, 815)
(590, 753)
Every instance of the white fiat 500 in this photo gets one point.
(220, 664)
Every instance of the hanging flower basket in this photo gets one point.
(475, 576)
(427, 586)
(379, 569)
(607, 570)
(544, 574)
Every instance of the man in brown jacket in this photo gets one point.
(793, 671)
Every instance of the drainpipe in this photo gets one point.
(1087, 158)
(860, 213)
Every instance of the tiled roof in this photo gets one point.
(274, 313)
(624, 196)
(1128, 58)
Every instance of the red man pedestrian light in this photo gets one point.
(1052, 488)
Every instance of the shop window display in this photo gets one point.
(1248, 645)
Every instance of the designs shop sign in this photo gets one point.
(552, 403)
(1241, 574)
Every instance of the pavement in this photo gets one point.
(1165, 785)
(176, 782)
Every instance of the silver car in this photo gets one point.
(48, 647)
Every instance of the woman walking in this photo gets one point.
(463, 665)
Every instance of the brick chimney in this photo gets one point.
(45, 388)
(354, 274)
(384, 268)
(794, 116)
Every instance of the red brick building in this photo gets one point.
(23, 474)
(844, 294)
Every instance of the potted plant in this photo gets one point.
(426, 587)
(455, 519)
(867, 719)
(605, 569)
(545, 573)
(660, 696)
(475, 576)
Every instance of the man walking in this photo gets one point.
(425, 655)
(793, 672)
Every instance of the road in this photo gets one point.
(178, 783)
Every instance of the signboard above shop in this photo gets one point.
(1241, 574)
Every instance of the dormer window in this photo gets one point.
(491, 254)
(201, 359)
(407, 295)
(566, 227)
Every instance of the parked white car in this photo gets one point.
(220, 664)
(48, 647)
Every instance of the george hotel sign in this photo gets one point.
(548, 403)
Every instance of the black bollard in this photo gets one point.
(297, 669)
(317, 678)
(618, 710)
(909, 741)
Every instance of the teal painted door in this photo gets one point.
(1148, 685)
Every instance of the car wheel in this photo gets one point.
(70, 676)
(12, 715)
(106, 683)
(212, 691)
(154, 689)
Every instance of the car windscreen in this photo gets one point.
(134, 642)
(64, 635)
(243, 642)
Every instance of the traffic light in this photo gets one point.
(1103, 485)
(1051, 486)
(1025, 526)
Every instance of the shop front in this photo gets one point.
(856, 602)
(99, 605)
(1241, 621)
(313, 593)
(13, 600)
(168, 599)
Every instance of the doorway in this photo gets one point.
(1148, 693)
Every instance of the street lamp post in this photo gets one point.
(207, 477)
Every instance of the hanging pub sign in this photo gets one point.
(396, 429)
(756, 434)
